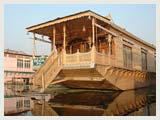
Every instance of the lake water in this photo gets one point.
(78, 102)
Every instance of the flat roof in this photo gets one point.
(9, 51)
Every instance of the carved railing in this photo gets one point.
(38, 75)
(91, 57)
(49, 75)
(104, 59)
(77, 59)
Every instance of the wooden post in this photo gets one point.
(43, 83)
(93, 31)
(100, 46)
(96, 39)
(109, 42)
(33, 46)
(54, 38)
(89, 41)
(77, 56)
(64, 37)
(64, 57)
(93, 54)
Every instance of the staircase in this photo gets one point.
(48, 71)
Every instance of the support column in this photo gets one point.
(89, 41)
(93, 31)
(54, 38)
(109, 42)
(100, 50)
(64, 37)
(33, 46)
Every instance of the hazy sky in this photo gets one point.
(137, 19)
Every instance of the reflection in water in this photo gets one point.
(84, 103)
(101, 103)
(16, 105)
(14, 90)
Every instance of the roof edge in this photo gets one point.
(104, 18)
(133, 36)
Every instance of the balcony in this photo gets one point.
(87, 60)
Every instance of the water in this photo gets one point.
(74, 102)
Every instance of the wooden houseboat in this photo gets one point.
(90, 51)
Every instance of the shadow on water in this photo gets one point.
(94, 103)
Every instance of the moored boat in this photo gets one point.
(90, 51)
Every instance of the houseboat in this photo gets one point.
(92, 52)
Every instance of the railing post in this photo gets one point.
(93, 31)
(61, 54)
(43, 83)
(64, 56)
(109, 42)
(93, 54)
(77, 56)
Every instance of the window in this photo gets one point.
(26, 103)
(144, 60)
(19, 63)
(27, 63)
(19, 104)
(127, 56)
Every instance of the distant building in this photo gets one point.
(17, 67)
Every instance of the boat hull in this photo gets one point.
(106, 77)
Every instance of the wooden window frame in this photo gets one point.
(125, 63)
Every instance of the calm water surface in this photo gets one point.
(70, 102)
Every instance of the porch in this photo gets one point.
(80, 41)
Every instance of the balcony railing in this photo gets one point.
(88, 59)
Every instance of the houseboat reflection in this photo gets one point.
(92, 103)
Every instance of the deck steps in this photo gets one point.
(48, 71)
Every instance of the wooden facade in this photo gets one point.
(90, 51)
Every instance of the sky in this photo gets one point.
(139, 19)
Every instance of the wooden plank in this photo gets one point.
(42, 40)
(93, 30)
(33, 45)
(54, 37)
(105, 29)
(64, 37)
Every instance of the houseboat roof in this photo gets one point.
(34, 28)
